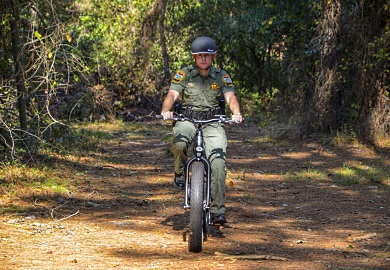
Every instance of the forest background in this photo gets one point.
(86, 168)
(317, 66)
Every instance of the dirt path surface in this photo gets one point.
(123, 212)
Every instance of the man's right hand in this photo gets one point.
(167, 115)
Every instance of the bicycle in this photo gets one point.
(197, 183)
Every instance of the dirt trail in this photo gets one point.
(123, 212)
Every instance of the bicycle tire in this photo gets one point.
(195, 243)
(206, 213)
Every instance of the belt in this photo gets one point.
(202, 115)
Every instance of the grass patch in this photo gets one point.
(269, 141)
(344, 137)
(360, 173)
(383, 142)
(20, 175)
(347, 174)
(54, 184)
(308, 174)
(13, 209)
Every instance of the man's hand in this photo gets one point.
(167, 115)
(237, 117)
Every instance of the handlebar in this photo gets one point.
(182, 117)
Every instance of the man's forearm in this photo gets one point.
(234, 106)
(168, 101)
(167, 104)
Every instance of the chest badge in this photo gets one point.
(190, 84)
(215, 86)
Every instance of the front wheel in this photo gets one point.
(195, 243)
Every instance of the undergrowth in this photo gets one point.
(52, 168)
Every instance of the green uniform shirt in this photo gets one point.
(202, 93)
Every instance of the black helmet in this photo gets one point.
(203, 45)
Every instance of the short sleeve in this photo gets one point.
(178, 81)
(227, 83)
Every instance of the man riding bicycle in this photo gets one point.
(201, 87)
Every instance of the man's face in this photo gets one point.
(204, 60)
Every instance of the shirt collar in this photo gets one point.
(211, 74)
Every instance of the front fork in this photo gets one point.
(206, 205)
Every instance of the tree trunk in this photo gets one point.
(20, 84)
(153, 30)
(162, 8)
(325, 104)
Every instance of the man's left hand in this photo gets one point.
(237, 118)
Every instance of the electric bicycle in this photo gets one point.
(198, 183)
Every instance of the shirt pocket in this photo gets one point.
(214, 94)
(191, 94)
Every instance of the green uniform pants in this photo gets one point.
(214, 138)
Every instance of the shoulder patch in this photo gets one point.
(179, 76)
(226, 79)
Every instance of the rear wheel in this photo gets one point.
(197, 216)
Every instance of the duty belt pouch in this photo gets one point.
(199, 115)
(188, 112)
(213, 112)
(177, 108)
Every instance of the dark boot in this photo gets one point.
(179, 181)
(218, 219)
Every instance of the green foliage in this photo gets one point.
(106, 27)
(345, 136)
(274, 51)
(47, 59)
